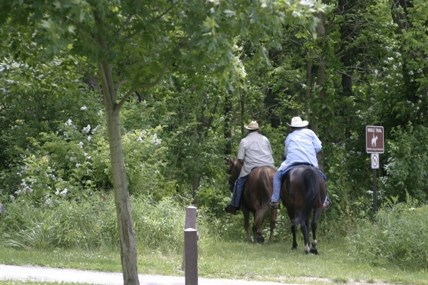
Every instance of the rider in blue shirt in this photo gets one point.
(301, 147)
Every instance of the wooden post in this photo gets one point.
(191, 256)
(374, 192)
(190, 221)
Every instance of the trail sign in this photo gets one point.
(375, 160)
(374, 139)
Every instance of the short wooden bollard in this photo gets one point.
(191, 256)
(190, 222)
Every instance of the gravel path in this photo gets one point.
(44, 274)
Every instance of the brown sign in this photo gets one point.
(374, 139)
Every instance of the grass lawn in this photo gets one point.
(234, 260)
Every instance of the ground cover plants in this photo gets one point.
(82, 235)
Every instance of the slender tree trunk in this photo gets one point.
(227, 133)
(120, 182)
(348, 33)
(242, 111)
(321, 78)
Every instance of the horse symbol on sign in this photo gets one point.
(374, 140)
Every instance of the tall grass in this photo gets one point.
(90, 223)
(398, 237)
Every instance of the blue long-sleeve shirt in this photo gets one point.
(301, 145)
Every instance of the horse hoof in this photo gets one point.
(260, 239)
(314, 251)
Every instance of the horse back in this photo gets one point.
(303, 189)
(259, 187)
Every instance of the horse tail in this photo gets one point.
(266, 187)
(267, 180)
(311, 182)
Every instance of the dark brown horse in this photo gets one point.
(303, 192)
(255, 198)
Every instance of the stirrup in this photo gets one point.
(274, 205)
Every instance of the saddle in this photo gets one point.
(284, 175)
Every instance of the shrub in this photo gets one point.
(160, 225)
(145, 158)
(91, 222)
(87, 223)
(398, 236)
(407, 165)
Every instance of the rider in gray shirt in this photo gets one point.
(254, 151)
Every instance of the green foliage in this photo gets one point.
(159, 226)
(87, 223)
(407, 163)
(192, 73)
(29, 106)
(398, 236)
(90, 222)
(73, 162)
(61, 165)
(212, 200)
(146, 160)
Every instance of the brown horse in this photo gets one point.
(303, 192)
(255, 198)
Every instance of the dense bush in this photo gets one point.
(398, 236)
(159, 226)
(87, 223)
(68, 163)
(407, 164)
(146, 163)
(73, 162)
(91, 222)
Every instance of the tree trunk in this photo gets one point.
(348, 31)
(128, 251)
(321, 78)
(227, 132)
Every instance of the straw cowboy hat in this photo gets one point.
(252, 126)
(296, 122)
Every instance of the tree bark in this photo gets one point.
(128, 251)
(348, 32)
(227, 132)
(321, 77)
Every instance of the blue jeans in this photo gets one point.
(237, 191)
(277, 179)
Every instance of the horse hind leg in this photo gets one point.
(258, 234)
(273, 219)
(314, 247)
(304, 228)
(258, 226)
(314, 226)
(249, 237)
(293, 232)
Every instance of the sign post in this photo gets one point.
(374, 146)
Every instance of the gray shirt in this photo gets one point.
(255, 150)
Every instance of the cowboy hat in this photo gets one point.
(296, 122)
(252, 126)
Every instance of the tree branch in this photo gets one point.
(143, 86)
(154, 19)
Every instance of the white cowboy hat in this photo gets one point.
(252, 126)
(296, 122)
